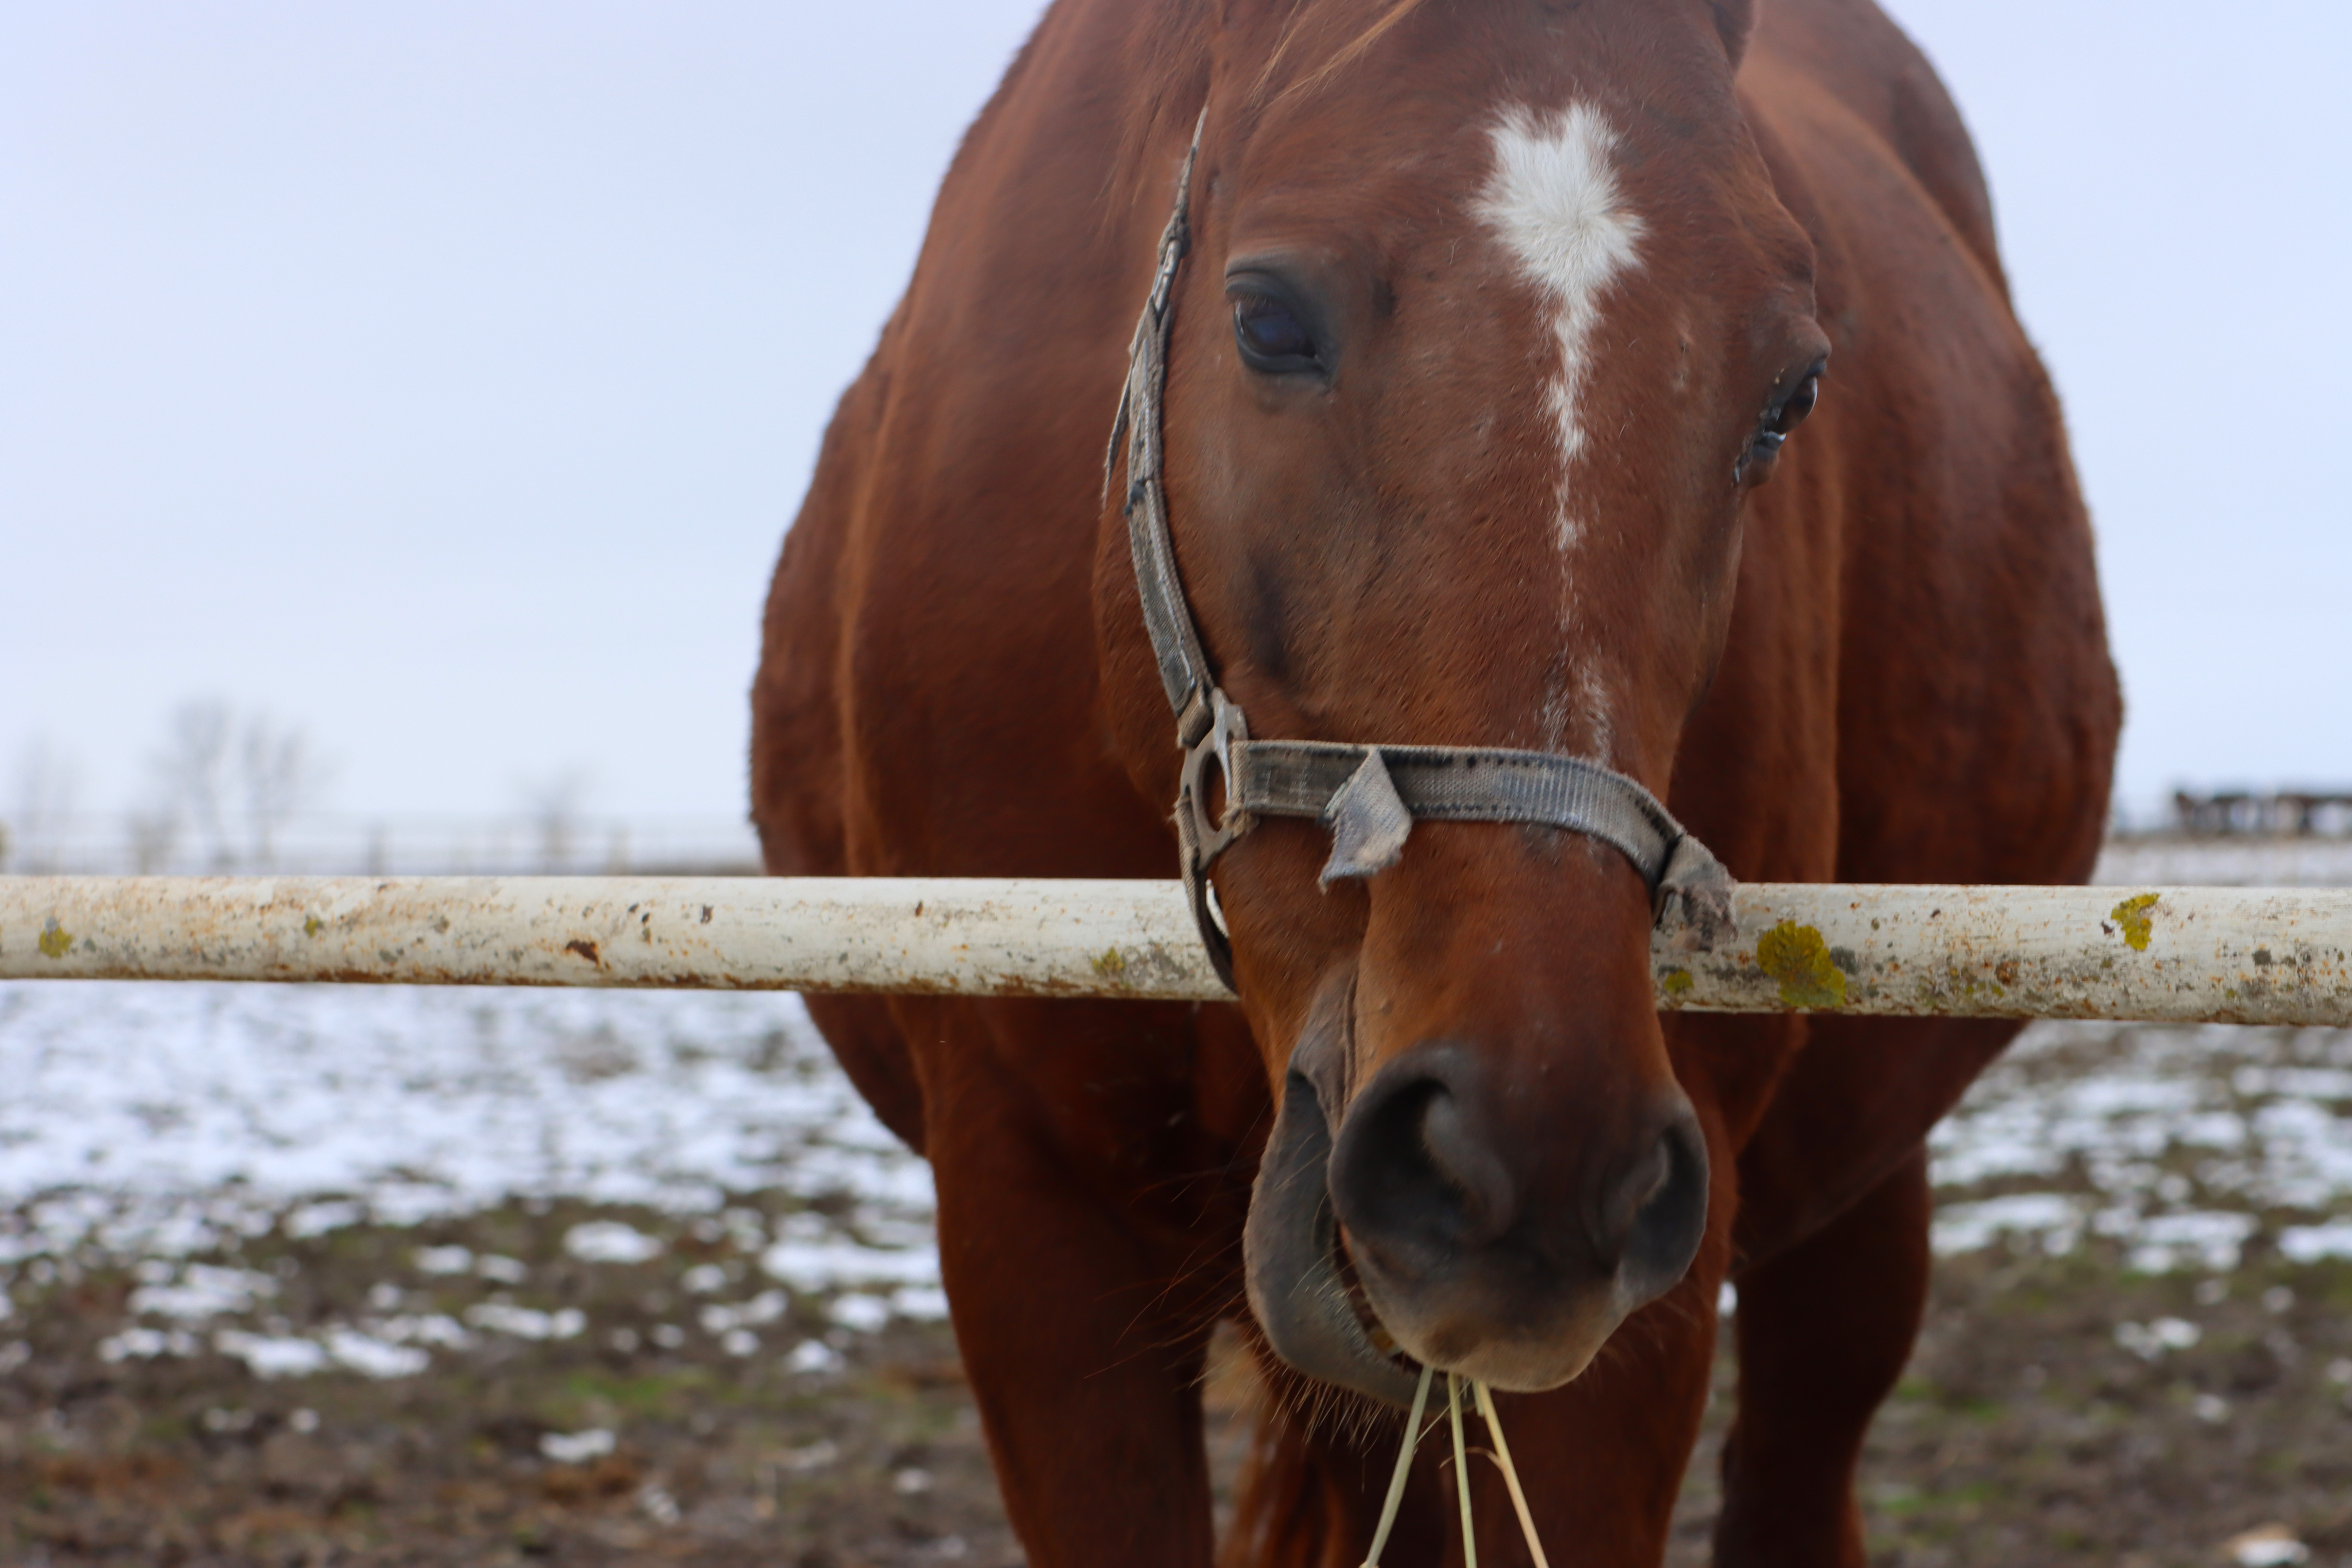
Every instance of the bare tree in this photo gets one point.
(191, 778)
(215, 775)
(155, 838)
(553, 805)
(281, 776)
(49, 789)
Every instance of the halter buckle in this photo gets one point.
(1226, 730)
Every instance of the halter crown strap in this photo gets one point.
(1175, 642)
(1369, 795)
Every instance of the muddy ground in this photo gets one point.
(2139, 1353)
(2025, 1433)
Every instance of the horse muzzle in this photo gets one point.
(1416, 1226)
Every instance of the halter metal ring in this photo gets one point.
(1227, 729)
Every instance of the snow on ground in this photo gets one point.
(144, 1120)
(2158, 861)
(2180, 1144)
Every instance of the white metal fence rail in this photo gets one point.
(2181, 954)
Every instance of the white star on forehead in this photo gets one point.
(1553, 200)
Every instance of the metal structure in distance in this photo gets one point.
(2176, 955)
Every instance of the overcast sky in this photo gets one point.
(441, 375)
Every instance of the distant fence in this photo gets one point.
(566, 843)
(2299, 813)
(2185, 954)
(410, 844)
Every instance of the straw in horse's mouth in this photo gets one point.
(1456, 1386)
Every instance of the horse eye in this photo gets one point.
(1795, 407)
(1779, 419)
(1784, 417)
(1270, 335)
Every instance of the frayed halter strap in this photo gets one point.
(1369, 795)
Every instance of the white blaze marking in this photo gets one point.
(1554, 201)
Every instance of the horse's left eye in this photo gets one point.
(1795, 407)
(1270, 335)
(1779, 420)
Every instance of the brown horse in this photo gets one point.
(1495, 318)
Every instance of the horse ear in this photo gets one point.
(1735, 19)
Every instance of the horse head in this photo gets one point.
(1489, 323)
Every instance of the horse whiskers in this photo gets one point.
(1615, 1348)
(1193, 1271)
(1645, 1330)
(1350, 1418)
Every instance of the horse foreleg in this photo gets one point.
(1824, 1329)
(1087, 1376)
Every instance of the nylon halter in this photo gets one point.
(1369, 795)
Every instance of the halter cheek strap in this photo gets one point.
(1369, 795)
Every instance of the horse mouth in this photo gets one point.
(1303, 1287)
(1359, 1300)
(1343, 1264)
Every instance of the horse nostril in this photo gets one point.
(1656, 1210)
(1413, 1167)
(1462, 1162)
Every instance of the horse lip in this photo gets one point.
(1289, 1250)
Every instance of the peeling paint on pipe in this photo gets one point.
(2181, 954)
(963, 937)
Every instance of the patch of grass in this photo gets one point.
(642, 1393)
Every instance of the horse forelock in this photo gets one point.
(1313, 42)
(1319, 40)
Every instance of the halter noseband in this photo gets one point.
(1369, 796)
